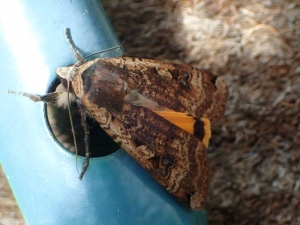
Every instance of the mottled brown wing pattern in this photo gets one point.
(174, 157)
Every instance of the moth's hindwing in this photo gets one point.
(174, 157)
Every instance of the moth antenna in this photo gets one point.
(71, 122)
(86, 141)
(78, 56)
(35, 98)
(107, 50)
(50, 98)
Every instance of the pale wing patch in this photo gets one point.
(135, 98)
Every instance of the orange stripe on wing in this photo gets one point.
(199, 128)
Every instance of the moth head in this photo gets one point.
(67, 73)
(66, 76)
(70, 76)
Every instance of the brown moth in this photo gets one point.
(158, 112)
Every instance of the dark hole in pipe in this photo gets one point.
(58, 119)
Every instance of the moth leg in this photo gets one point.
(86, 140)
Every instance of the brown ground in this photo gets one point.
(255, 46)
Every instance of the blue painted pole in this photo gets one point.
(41, 173)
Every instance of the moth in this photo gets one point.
(158, 112)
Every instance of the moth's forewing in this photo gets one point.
(175, 158)
(179, 87)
